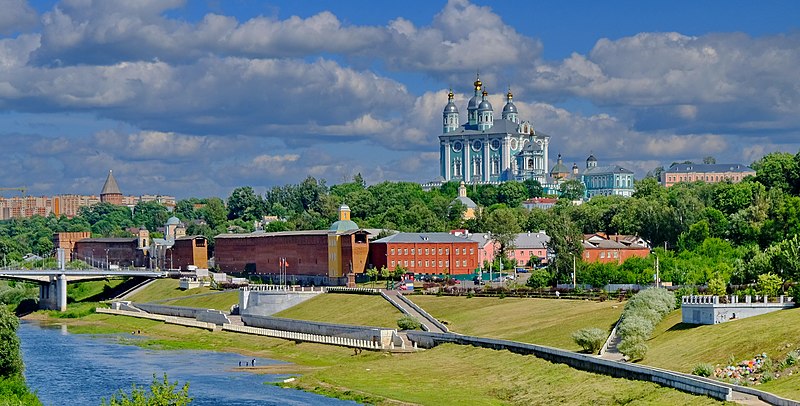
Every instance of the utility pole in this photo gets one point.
(574, 286)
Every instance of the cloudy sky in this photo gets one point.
(195, 98)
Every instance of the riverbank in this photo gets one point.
(448, 374)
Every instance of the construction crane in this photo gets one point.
(20, 189)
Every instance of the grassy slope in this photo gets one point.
(538, 321)
(164, 289)
(680, 347)
(84, 290)
(472, 375)
(220, 301)
(363, 310)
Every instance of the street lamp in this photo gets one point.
(107, 267)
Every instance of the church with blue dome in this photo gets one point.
(490, 150)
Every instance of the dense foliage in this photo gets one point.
(590, 339)
(159, 393)
(13, 390)
(642, 312)
(728, 233)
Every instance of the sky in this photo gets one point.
(196, 98)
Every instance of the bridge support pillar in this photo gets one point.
(48, 294)
(62, 292)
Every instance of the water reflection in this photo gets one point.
(77, 369)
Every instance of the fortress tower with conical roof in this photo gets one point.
(111, 193)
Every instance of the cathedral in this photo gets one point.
(490, 150)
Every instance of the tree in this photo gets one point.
(591, 339)
(717, 286)
(539, 279)
(373, 275)
(151, 215)
(709, 160)
(10, 357)
(566, 243)
(214, 212)
(778, 170)
(533, 187)
(769, 284)
(504, 226)
(244, 204)
(511, 193)
(160, 393)
(698, 232)
(572, 189)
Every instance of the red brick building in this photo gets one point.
(189, 250)
(320, 255)
(599, 248)
(102, 252)
(431, 253)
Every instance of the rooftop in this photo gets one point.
(710, 168)
(423, 238)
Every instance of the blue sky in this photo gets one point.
(195, 98)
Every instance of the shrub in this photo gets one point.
(704, 370)
(684, 291)
(717, 286)
(590, 339)
(13, 391)
(159, 393)
(635, 327)
(769, 284)
(633, 349)
(10, 357)
(408, 323)
(794, 292)
(767, 376)
(539, 279)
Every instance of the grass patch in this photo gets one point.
(74, 310)
(774, 333)
(452, 374)
(80, 291)
(218, 300)
(548, 322)
(165, 289)
(361, 310)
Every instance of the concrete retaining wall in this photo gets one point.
(712, 310)
(269, 302)
(315, 338)
(582, 362)
(160, 317)
(326, 329)
(178, 311)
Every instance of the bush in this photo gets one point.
(633, 349)
(539, 279)
(794, 292)
(408, 323)
(14, 391)
(159, 393)
(10, 357)
(769, 284)
(590, 339)
(684, 291)
(643, 311)
(704, 370)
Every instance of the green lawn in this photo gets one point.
(448, 374)
(80, 291)
(219, 301)
(537, 321)
(680, 347)
(165, 289)
(362, 310)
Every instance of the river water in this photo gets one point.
(80, 369)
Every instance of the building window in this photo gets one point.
(426, 263)
(447, 251)
(405, 251)
(446, 263)
(440, 251)
(472, 251)
(419, 263)
(392, 251)
(457, 167)
(419, 251)
(440, 263)
(602, 254)
(427, 252)
(587, 255)
(616, 254)
(393, 264)
(405, 263)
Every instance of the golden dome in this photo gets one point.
(485, 93)
(450, 94)
(478, 83)
(509, 95)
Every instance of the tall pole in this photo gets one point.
(658, 278)
(574, 286)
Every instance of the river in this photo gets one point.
(81, 369)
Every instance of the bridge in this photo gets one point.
(53, 282)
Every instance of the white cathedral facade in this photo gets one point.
(487, 150)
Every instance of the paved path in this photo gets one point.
(394, 295)
(612, 353)
(129, 293)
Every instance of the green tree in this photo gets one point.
(214, 213)
(778, 170)
(698, 232)
(160, 393)
(572, 189)
(10, 357)
(511, 193)
(566, 243)
(717, 286)
(533, 188)
(539, 279)
(769, 284)
(244, 204)
(503, 223)
(151, 215)
(373, 275)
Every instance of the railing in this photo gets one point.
(735, 299)
(282, 288)
(308, 337)
(343, 289)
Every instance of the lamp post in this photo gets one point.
(107, 265)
